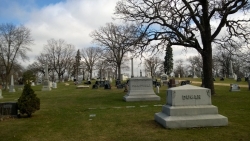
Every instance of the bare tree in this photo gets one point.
(188, 23)
(14, 43)
(179, 68)
(59, 54)
(90, 57)
(152, 64)
(117, 40)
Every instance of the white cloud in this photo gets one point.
(72, 21)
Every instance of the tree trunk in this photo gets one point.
(207, 69)
(119, 71)
(90, 74)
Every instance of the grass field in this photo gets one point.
(70, 114)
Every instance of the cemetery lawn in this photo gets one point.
(70, 114)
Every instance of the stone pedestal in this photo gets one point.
(46, 82)
(141, 89)
(46, 86)
(12, 87)
(189, 106)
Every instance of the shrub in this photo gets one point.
(28, 103)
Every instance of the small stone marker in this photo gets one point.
(140, 89)
(82, 86)
(189, 106)
(234, 87)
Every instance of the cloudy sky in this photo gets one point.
(71, 20)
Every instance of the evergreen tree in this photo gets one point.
(28, 103)
(28, 76)
(77, 64)
(168, 62)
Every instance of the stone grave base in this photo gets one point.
(152, 97)
(190, 116)
(46, 88)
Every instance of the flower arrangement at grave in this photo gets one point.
(28, 102)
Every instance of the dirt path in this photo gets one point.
(220, 84)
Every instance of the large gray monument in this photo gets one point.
(141, 89)
(46, 83)
(189, 106)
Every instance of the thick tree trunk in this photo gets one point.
(119, 71)
(207, 69)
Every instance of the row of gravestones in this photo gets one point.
(106, 84)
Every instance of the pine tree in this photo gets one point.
(168, 62)
(28, 103)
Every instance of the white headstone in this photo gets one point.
(141, 89)
(189, 106)
(12, 87)
(234, 87)
(158, 89)
(54, 85)
(1, 94)
(32, 84)
(235, 76)
(179, 76)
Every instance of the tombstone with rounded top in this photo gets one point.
(189, 106)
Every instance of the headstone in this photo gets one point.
(101, 83)
(32, 84)
(88, 82)
(221, 79)
(183, 83)
(46, 82)
(107, 86)
(164, 79)
(117, 82)
(249, 82)
(194, 75)
(235, 76)
(8, 109)
(50, 84)
(234, 87)
(246, 79)
(171, 83)
(12, 87)
(1, 94)
(158, 88)
(120, 86)
(140, 89)
(126, 88)
(189, 106)
(54, 85)
(238, 79)
(95, 86)
(179, 75)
